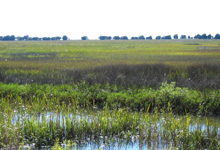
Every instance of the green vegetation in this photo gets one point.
(110, 92)
(125, 63)
(43, 121)
(58, 147)
(181, 100)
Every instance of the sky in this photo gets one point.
(92, 18)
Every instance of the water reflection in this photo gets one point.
(125, 142)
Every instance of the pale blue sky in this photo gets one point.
(76, 18)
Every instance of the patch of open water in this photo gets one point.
(110, 143)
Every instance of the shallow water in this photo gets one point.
(60, 117)
(111, 143)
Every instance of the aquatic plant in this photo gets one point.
(21, 123)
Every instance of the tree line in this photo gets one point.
(141, 37)
(167, 37)
(27, 38)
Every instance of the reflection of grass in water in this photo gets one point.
(108, 126)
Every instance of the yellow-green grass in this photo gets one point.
(101, 58)
(83, 54)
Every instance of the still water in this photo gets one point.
(113, 143)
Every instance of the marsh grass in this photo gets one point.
(197, 76)
(182, 100)
(105, 126)
(110, 92)
(125, 63)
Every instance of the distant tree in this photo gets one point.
(116, 38)
(12, 38)
(158, 37)
(217, 36)
(5, 38)
(167, 37)
(204, 36)
(35, 38)
(183, 37)
(84, 38)
(1, 37)
(26, 37)
(20, 38)
(134, 38)
(58, 38)
(189, 37)
(65, 37)
(109, 38)
(103, 37)
(46, 38)
(124, 38)
(141, 37)
(149, 38)
(198, 36)
(53, 38)
(29, 39)
(209, 36)
(175, 36)
(8, 38)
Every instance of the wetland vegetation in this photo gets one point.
(161, 94)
